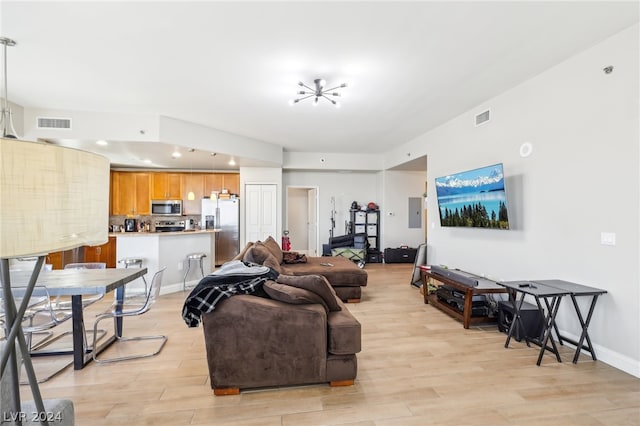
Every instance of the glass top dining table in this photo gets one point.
(78, 283)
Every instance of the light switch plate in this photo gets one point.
(608, 238)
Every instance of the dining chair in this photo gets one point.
(63, 303)
(40, 317)
(129, 308)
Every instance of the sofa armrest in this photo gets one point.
(255, 342)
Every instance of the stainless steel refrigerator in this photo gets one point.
(227, 219)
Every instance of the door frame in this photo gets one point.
(317, 210)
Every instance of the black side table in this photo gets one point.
(552, 297)
(576, 290)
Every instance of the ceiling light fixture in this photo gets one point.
(318, 92)
(6, 120)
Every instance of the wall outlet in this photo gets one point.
(180, 266)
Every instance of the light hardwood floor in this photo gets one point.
(418, 366)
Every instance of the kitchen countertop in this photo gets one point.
(160, 234)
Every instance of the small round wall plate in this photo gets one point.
(526, 149)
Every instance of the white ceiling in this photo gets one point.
(410, 66)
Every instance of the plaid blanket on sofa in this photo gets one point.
(235, 277)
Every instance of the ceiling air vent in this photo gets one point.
(54, 123)
(483, 117)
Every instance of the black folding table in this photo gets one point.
(552, 291)
(552, 297)
(577, 290)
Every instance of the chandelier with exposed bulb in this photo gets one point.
(318, 92)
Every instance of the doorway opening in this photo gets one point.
(302, 219)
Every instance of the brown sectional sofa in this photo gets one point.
(298, 335)
(345, 277)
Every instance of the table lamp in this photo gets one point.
(52, 198)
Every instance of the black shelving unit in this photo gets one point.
(368, 222)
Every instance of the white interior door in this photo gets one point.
(261, 211)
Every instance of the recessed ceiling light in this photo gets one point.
(176, 154)
(147, 161)
(102, 142)
(232, 162)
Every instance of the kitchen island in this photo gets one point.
(159, 249)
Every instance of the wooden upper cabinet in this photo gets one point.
(212, 182)
(192, 182)
(166, 186)
(219, 181)
(143, 206)
(231, 182)
(130, 193)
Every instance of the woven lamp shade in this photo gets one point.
(52, 198)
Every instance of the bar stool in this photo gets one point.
(196, 257)
(134, 261)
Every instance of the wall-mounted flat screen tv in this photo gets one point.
(475, 198)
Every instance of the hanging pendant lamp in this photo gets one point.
(191, 196)
(6, 119)
(214, 193)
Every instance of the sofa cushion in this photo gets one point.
(240, 256)
(294, 295)
(272, 263)
(256, 253)
(274, 248)
(339, 271)
(315, 283)
(343, 332)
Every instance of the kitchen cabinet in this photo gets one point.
(54, 259)
(130, 193)
(231, 182)
(166, 186)
(193, 182)
(219, 181)
(212, 182)
(103, 253)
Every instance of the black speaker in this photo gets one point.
(532, 322)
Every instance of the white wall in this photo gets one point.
(327, 161)
(93, 125)
(581, 179)
(344, 187)
(198, 136)
(398, 187)
(389, 189)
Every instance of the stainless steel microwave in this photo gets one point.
(166, 207)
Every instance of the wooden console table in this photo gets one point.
(484, 286)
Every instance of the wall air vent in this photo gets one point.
(483, 117)
(54, 123)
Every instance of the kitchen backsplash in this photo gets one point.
(116, 222)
